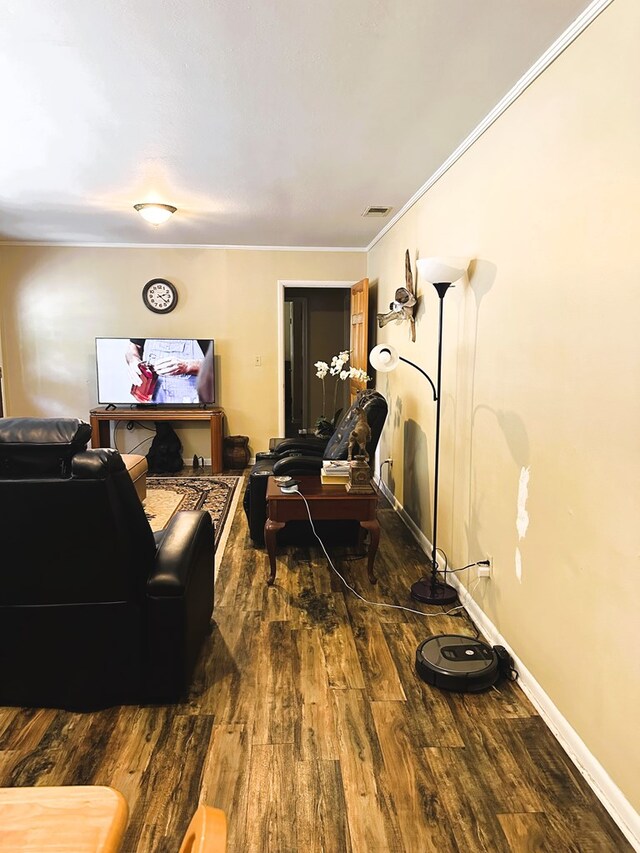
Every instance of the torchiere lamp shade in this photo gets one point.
(441, 270)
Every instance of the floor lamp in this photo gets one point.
(384, 358)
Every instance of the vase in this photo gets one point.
(235, 452)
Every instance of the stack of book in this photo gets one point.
(334, 472)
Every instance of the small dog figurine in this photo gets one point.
(360, 436)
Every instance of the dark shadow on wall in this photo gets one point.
(417, 466)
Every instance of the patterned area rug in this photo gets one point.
(218, 495)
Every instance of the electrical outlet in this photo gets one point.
(390, 461)
(257, 361)
(485, 571)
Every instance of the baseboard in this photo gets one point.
(603, 786)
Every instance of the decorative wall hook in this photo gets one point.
(404, 304)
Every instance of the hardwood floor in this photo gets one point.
(308, 725)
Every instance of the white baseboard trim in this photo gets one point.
(603, 786)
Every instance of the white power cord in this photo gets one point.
(357, 594)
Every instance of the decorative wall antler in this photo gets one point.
(404, 304)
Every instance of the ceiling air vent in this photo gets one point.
(377, 210)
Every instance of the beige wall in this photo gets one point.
(541, 367)
(55, 301)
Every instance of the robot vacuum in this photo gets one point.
(456, 662)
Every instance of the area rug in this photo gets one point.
(218, 495)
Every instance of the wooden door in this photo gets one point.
(359, 342)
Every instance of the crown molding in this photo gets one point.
(69, 244)
(568, 36)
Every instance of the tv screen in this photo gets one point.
(155, 371)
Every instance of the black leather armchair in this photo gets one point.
(94, 610)
(304, 455)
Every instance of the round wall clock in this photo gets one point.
(160, 296)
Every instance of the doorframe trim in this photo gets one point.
(282, 285)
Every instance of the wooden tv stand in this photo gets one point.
(100, 418)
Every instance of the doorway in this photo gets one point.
(318, 328)
(314, 324)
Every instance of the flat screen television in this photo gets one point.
(155, 371)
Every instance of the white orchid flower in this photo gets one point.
(339, 361)
(357, 373)
(322, 369)
(338, 370)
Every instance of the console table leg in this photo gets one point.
(270, 530)
(374, 538)
(216, 444)
(100, 432)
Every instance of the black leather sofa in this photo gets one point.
(304, 455)
(94, 610)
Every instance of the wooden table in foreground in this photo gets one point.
(326, 503)
(100, 417)
(74, 819)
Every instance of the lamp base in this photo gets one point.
(428, 592)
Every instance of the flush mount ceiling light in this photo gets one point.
(155, 213)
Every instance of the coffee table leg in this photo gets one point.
(374, 537)
(270, 530)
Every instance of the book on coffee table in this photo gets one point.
(333, 479)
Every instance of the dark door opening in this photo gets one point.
(316, 327)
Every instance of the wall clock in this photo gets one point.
(160, 296)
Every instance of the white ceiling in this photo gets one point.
(266, 122)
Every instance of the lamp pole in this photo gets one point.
(431, 590)
(441, 273)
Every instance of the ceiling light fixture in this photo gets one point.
(155, 213)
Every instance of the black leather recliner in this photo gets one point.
(304, 455)
(94, 610)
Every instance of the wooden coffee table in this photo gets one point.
(326, 503)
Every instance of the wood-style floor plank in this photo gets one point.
(276, 708)
(361, 763)
(321, 816)
(528, 833)
(271, 811)
(306, 723)
(225, 778)
(316, 728)
(416, 807)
